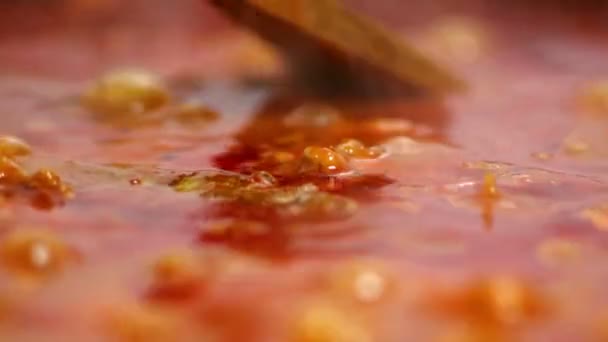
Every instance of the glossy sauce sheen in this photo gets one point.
(219, 210)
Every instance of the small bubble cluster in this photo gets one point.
(141, 99)
(323, 160)
(43, 189)
(12, 147)
(35, 253)
(355, 149)
(126, 93)
(261, 189)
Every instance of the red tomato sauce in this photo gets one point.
(206, 208)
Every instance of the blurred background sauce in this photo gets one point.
(79, 38)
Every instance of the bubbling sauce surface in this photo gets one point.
(214, 210)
